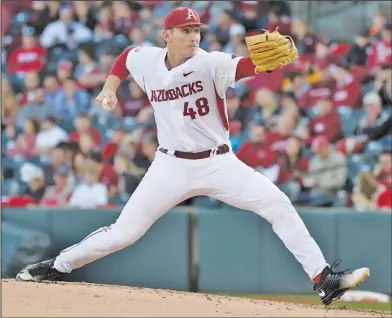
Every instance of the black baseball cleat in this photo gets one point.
(332, 285)
(39, 272)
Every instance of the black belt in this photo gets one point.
(199, 155)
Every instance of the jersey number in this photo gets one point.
(202, 108)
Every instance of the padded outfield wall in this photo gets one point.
(200, 249)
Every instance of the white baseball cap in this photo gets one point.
(30, 172)
(372, 98)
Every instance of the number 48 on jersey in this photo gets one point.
(201, 108)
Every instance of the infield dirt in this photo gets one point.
(26, 299)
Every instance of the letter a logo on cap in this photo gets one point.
(190, 15)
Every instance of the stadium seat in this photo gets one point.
(308, 153)
(386, 142)
(35, 161)
(236, 142)
(10, 187)
(354, 162)
(312, 112)
(349, 121)
(18, 22)
(119, 199)
(373, 149)
(129, 124)
(67, 125)
(19, 160)
(8, 162)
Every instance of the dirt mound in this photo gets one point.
(25, 299)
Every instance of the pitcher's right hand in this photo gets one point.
(107, 99)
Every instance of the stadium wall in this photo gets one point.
(200, 249)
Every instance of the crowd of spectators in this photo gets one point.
(320, 128)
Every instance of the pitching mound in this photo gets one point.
(24, 299)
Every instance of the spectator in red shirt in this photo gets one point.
(381, 51)
(6, 18)
(58, 194)
(322, 58)
(384, 200)
(292, 163)
(83, 125)
(276, 139)
(318, 91)
(256, 153)
(383, 171)
(373, 187)
(113, 145)
(327, 123)
(131, 104)
(348, 91)
(30, 57)
(278, 19)
(107, 175)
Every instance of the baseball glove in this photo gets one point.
(269, 51)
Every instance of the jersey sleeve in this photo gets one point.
(223, 68)
(137, 61)
(120, 68)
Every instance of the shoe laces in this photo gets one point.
(337, 274)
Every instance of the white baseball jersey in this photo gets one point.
(189, 100)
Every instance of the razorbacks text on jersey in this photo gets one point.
(189, 100)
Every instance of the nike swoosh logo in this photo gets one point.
(186, 74)
(321, 293)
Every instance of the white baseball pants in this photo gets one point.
(171, 180)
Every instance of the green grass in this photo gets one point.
(314, 300)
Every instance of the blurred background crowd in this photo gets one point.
(320, 129)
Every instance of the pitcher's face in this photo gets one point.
(184, 41)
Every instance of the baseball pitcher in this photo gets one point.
(186, 87)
